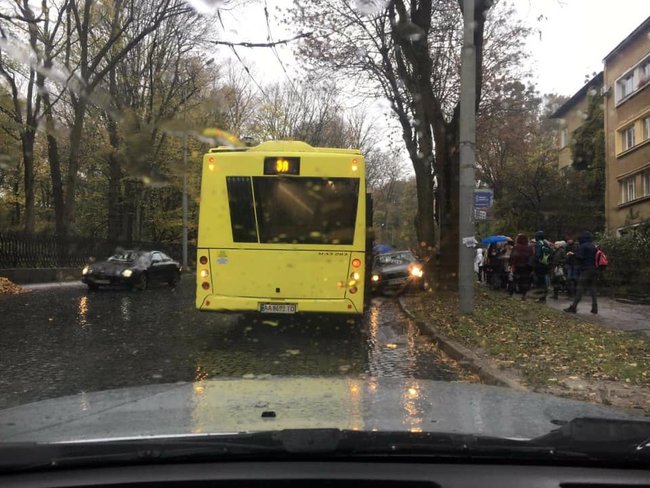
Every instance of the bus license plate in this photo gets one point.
(278, 308)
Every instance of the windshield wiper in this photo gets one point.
(579, 441)
(602, 438)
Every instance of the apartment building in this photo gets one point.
(571, 115)
(627, 131)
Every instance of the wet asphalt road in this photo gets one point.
(65, 340)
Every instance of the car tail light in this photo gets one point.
(356, 263)
(203, 260)
(205, 285)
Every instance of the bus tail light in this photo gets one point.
(353, 289)
(204, 273)
(355, 276)
(356, 263)
(203, 260)
(205, 285)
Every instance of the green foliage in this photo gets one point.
(588, 155)
(629, 262)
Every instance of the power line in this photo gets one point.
(269, 38)
(248, 71)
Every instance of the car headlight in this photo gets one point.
(375, 278)
(127, 273)
(86, 270)
(417, 272)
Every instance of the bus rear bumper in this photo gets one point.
(220, 303)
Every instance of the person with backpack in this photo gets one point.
(541, 265)
(587, 264)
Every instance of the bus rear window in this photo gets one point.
(242, 216)
(306, 210)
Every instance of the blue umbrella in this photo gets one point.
(382, 248)
(495, 239)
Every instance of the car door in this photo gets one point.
(157, 270)
(169, 267)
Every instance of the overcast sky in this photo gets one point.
(574, 36)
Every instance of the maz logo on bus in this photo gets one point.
(279, 165)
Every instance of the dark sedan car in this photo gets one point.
(134, 269)
(396, 271)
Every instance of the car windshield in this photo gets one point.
(222, 216)
(395, 258)
(126, 256)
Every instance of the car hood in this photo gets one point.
(112, 266)
(237, 405)
(394, 268)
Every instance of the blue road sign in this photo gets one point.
(483, 198)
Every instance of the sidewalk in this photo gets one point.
(622, 316)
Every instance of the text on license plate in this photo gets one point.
(278, 308)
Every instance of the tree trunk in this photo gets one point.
(57, 182)
(447, 202)
(73, 163)
(114, 184)
(424, 217)
(27, 139)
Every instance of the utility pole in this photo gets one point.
(185, 201)
(467, 160)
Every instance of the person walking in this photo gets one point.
(520, 259)
(586, 260)
(557, 268)
(571, 267)
(478, 263)
(542, 265)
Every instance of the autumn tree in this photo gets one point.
(588, 160)
(409, 53)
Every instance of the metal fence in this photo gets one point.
(42, 251)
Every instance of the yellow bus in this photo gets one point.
(282, 229)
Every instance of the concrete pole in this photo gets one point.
(467, 145)
(185, 201)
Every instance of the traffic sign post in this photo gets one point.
(483, 198)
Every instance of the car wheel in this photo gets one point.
(143, 282)
(174, 279)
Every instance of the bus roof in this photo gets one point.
(284, 146)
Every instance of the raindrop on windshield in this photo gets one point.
(206, 7)
(370, 7)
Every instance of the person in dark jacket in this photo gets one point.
(586, 260)
(557, 268)
(540, 269)
(520, 259)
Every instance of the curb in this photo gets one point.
(53, 284)
(463, 355)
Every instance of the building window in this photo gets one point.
(564, 138)
(644, 74)
(625, 86)
(628, 138)
(646, 128)
(628, 190)
(646, 183)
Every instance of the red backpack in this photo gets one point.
(601, 258)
